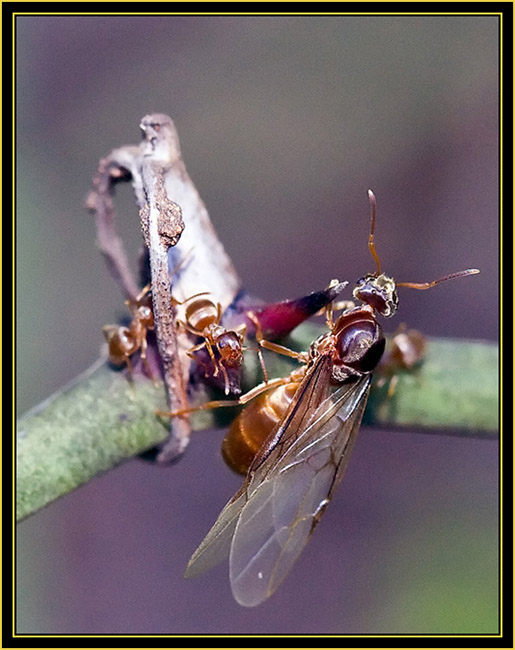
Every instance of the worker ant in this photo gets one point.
(123, 342)
(202, 317)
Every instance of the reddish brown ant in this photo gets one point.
(123, 342)
(405, 351)
(294, 440)
(225, 347)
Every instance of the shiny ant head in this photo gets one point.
(141, 308)
(230, 347)
(378, 289)
(146, 316)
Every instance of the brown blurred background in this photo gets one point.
(285, 122)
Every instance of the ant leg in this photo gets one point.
(130, 369)
(176, 302)
(328, 309)
(329, 316)
(196, 359)
(180, 263)
(393, 386)
(242, 330)
(213, 358)
(134, 303)
(207, 345)
(200, 362)
(261, 362)
(274, 347)
(342, 305)
(143, 357)
(392, 381)
(195, 348)
(227, 387)
(143, 292)
(130, 372)
(243, 399)
(188, 328)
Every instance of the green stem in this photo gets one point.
(100, 420)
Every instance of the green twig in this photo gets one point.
(100, 420)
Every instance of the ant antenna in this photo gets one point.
(410, 285)
(181, 262)
(371, 245)
(428, 285)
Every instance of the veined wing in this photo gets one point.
(288, 486)
(215, 546)
(288, 494)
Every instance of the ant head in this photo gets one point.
(146, 316)
(143, 310)
(378, 289)
(229, 345)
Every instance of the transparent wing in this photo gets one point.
(288, 493)
(215, 546)
(287, 489)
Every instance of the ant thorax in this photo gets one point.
(378, 291)
(356, 344)
(213, 331)
(324, 344)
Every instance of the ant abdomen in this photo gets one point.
(253, 425)
(201, 313)
(121, 343)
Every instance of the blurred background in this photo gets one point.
(285, 122)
